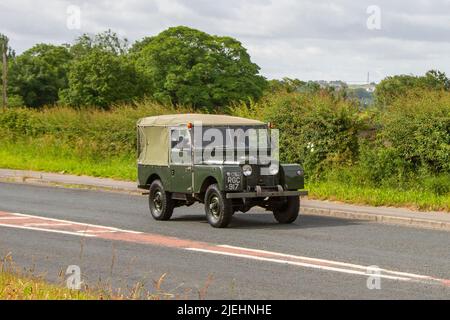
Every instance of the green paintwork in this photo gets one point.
(178, 178)
(290, 180)
(154, 162)
(217, 172)
(146, 173)
(190, 179)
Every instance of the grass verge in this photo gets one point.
(54, 158)
(382, 196)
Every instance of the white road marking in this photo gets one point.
(74, 223)
(47, 230)
(204, 247)
(301, 264)
(99, 231)
(46, 224)
(336, 263)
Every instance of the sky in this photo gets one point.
(305, 39)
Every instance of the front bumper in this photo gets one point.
(265, 194)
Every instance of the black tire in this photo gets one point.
(218, 208)
(288, 212)
(159, 201)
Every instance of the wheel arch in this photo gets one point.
(152, 178)
(205, 184)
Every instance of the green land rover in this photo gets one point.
(227, 163)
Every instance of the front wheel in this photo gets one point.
(288, 211)
(160, 202)
(218, 208)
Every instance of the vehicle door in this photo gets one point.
(180, 164)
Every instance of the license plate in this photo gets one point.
(233, 181)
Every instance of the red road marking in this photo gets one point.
(37, 223)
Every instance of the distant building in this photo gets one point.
(336, 84)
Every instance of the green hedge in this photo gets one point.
(91, 133)
(318, 130)
(404, 146)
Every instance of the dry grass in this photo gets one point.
(20, 284)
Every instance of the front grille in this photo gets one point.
(256, 179)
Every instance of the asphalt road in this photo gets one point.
(122, 264)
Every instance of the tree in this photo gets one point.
(5, 53)
(289, 85)
(436, 80)
(39, 73)
(105, 41)
(285, 85)
(101, 73)
(186, 66)
(3, 46)
(4, 40)
(101, 78)
(397, 86)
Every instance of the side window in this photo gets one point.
(180, 146)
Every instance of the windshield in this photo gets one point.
(234, 137)
(243, 144)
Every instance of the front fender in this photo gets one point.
(226, 177)
(290, 178)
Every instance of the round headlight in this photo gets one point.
(273, 170)
(247, 170)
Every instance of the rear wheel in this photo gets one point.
(218, 208)
(287, 212)
(159, 201)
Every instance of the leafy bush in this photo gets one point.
(318, 130)
(18, 122)
(382, 166)
(417, 129)
(392, 88)
(90, 133)
(439, 185)
(15, 101)
(411, 147)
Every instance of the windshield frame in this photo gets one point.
(234, 152)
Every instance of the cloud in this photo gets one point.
(307, 39)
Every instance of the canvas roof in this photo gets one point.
(206, 119)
